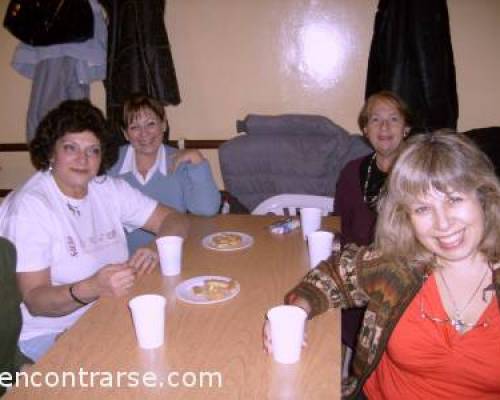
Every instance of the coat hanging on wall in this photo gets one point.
(48, 22)
(411, 54)
(139, 56)
(64, 70)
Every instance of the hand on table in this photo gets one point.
(114, 280)
(190, 156)
(144, 260)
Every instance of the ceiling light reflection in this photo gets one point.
(322, 52)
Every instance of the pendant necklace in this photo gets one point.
(457, 319)
(75, 210)
(368, 177)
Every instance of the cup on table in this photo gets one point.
(310, 220)
(320, 245)
(148, 315)
(286, 324)
(170, 252)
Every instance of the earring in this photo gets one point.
(100, 179)
(51, 167)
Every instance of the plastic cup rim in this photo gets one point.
(170, 239)
(135, 301)
(290, 307)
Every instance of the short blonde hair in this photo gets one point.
(443, 161)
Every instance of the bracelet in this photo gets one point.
(75, 298)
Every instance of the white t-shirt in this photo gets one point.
(74, 237)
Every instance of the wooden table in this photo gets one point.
(223, 338)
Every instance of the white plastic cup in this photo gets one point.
(310, 220)
(287, 332)
(148, 315)
(320, 244)
(170, 252)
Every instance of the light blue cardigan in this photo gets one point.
(191, 188)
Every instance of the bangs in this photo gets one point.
(434, 168)
(444, 162)
(136, 111)
(139, 104)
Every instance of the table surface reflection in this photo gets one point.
(220, 343)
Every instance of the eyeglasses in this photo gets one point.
(394, 120)
(73, 150)
(459, 325)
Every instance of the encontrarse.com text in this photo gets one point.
(116, 379)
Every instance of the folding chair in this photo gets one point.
(289, 204)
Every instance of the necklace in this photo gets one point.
(75, 210)
(457, 320)
(373, 200)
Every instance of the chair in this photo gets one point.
(288, 204)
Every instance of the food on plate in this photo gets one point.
(215, 289)
(226, 240)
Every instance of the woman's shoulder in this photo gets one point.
(374, 266)
(355, 164)
(34, 190)
(32, 203)
(351, 169)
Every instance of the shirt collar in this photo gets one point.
(129, 164)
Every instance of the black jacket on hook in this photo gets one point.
(411, 54)
(139, 56)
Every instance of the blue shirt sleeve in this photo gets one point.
(200, 192)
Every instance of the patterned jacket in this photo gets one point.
(359, 277)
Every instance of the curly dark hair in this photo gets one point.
(71, 116)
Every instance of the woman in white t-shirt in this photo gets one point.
(67, 222)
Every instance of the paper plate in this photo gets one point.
(184, 291)
(227, 241)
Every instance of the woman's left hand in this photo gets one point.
(190, 156)
(144, 260)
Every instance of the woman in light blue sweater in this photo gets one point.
(181, 179)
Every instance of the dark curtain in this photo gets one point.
(411, 54)
(139, 56)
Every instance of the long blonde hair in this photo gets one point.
(443, 161)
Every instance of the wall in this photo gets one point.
(475, 32)
(235, 57)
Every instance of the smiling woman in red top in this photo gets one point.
(431, 280)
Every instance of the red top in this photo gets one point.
(430, 360)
